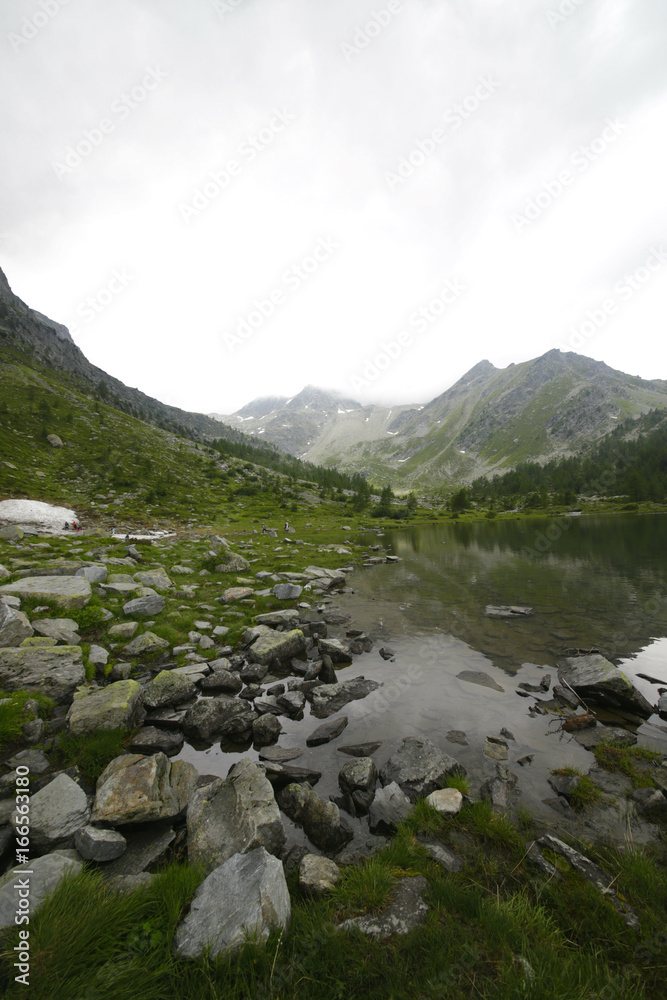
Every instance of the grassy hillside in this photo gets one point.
(117, 468)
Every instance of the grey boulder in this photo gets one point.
(45, 874)
(247, 895)
(595, 679)
(57, 811)
(14, 626)
(234, 816)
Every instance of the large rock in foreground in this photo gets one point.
(65, 591)
(118, 706)
(138, 789)
(419, 767)
(234, 816)
(45, 874)
(53, 670)
(595, 679)
(246, 895)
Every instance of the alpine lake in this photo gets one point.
(596, 582)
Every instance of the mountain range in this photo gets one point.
(492, 418)
(556, 405)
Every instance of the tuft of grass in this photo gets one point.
(364, 888)
(90, 753)
(459, 781)
(627, 760)
(585, 793)
(14, 715)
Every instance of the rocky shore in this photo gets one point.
(242, 671)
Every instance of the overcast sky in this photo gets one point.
(231, 199)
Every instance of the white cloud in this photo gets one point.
(324, 174)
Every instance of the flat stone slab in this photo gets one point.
(478, 677)
(507, 610)
(327, 699)
(146, 846)
(56, 671)
(63, 629)
(280, 755)
(360, 749)
(407, 911)
(326, 732)
(65, 591)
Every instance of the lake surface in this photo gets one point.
(591, 581)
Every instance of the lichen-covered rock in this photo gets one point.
(168, 688)
(272, 645)
(204, 720)
(145, 644)
(138, 789)
(118, 706)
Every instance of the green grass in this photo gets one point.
(628, 761)
(14, 715)
(89, 944)
(585, 793)
(90, 753)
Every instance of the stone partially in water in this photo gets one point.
(419, 767)
(595, 679)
